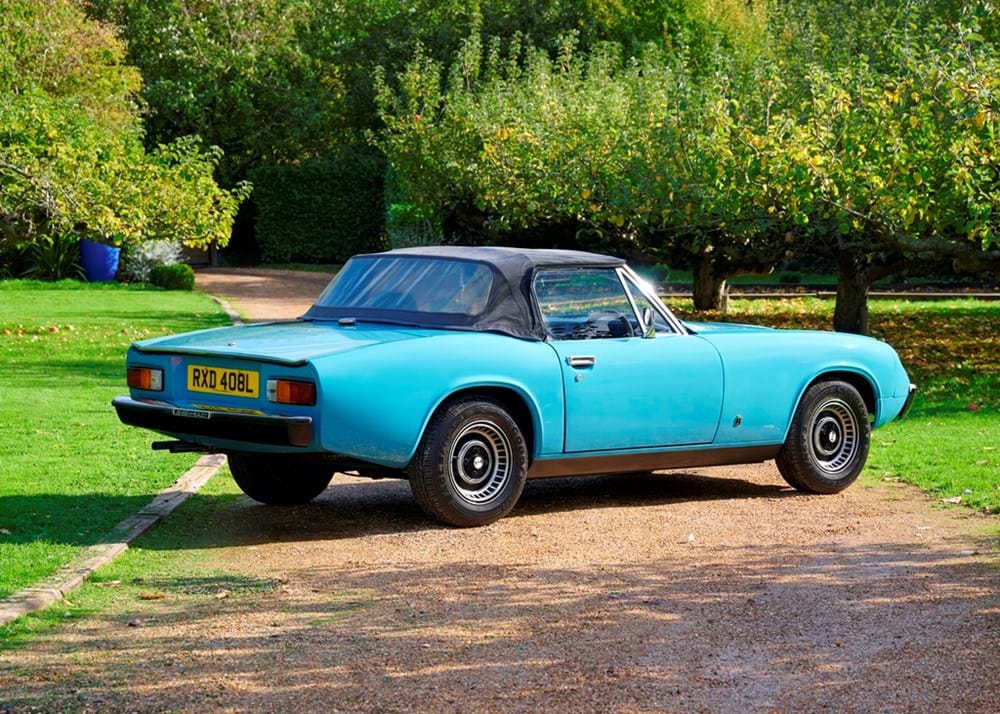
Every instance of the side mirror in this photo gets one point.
(648, 323)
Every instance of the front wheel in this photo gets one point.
(828, 440)
(471, 465)
(277, 481)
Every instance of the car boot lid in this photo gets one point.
(291, 342)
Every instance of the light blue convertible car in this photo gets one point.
(469, 370)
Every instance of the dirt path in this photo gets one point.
(261, 295)
(714, 590)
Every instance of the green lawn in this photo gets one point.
(950, 443)
(176, 561)
(69, 471)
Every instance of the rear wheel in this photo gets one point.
(278, 481)
(828, 440)
(471, 465)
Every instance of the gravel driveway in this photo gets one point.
(712, 590)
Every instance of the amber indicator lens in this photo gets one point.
(290, 391)
(145, 378)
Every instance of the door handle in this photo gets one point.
(581, 361)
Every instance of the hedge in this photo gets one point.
(322, 210)
(179, 276)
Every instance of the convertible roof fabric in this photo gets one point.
(510, 309)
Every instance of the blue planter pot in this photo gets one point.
(100, 262)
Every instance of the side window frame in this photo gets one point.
(618, 275)
(676, 326)
(633, 285)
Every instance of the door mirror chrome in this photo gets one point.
(648, 323)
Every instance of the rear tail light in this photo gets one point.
(290, 391)
(145, 378)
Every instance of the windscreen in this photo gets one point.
(410, 284)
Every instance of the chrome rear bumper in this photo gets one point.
(231, 426)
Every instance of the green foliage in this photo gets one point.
(71, 141)
(863, 132)
(286, 80)
(53, 258)
(248, 77)
(321, 210)
(627, 148)
(897, 144)
(179, 276)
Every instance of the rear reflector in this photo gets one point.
(145, 378)
(289, 391)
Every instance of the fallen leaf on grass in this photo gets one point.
(152, 596)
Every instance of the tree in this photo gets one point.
(71, 151)
(894, 158)
(650, 152)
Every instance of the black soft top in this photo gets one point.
(510, 309)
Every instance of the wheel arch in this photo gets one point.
(861, 380)
(520, 405)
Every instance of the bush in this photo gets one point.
(322, 211)
(72, 156)
(53, 258)
(172, 277)
(138, 262)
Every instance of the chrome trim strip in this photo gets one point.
(908, 403)
(631, 301)
(583, 465)
(656, 302)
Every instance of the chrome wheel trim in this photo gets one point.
(834, 436)
(479, 464)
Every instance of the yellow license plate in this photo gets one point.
(218, 380)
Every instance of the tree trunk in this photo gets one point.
(851, 311)
(709, 288)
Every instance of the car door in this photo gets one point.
(623, 390)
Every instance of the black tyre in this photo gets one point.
(278, 481)
(471, 465)
(828, 441)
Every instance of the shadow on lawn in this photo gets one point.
(356, 509)
(897, 626)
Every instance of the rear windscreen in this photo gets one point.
(423, 285)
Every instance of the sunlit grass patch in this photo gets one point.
(69, 470)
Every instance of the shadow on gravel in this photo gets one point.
(841, 628)
(359, 509)
(355, 509)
